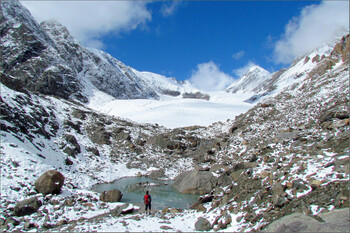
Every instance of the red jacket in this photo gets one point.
(147, 199)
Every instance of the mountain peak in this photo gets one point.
(255, 67)
(251, 79)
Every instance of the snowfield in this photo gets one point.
(174, 112)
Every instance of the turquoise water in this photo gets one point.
(162, 192)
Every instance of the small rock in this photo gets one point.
(12, 220)
(15, 164)
(289, 185)
(47, 225)
(329, 164)
(201, 208)
(264, 174)
(278, 189)
(28, 225)
(136, 218)
(315, 184)
(280, 201)
(62, 222)
(306, 210)
(299, 185)
(68, 162)
(165, 227)
(27, 207)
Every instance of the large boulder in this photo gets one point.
(334, 221)
(111, 196)
(50, 182)
(202, 224)
(195, 182)
(27, 207)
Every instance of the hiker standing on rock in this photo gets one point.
(147, 200)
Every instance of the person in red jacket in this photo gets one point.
(147, 200)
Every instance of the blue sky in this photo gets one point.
(229, 33)
(216, 40)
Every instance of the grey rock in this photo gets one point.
(287, 136)
(114, 195)
(118, 210)
(27, 207)
(338, 216)
(12, 221)
(72, 147)
(334, 221)
(202, 224)
(278, 189)
(224, 180)
(197, 95)
(195, 182)
(298, 184)
(280, 201)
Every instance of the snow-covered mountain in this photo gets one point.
(250, 81)
(301, 68)
(55, 63)
(261, 84)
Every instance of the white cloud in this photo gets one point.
(208, 77)
(169, 8)
(238, 55)
(315, 25)
(88, 21)
(241, 71)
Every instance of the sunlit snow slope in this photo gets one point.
(173, 112)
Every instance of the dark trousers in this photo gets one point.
(148, 206)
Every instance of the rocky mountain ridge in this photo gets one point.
(52, 58)
(288, 154)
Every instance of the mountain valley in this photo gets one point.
(270, 146)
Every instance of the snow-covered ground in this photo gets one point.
(173, 112)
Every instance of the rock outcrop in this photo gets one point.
(195, 182)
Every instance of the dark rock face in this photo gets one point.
(27, 207)
(50, 182)
(98, 134)
(39, 121)
(71, 147)
(33, 61)
(197, 95)
(111, 196)
(195, 182)
(46, 59)
(171, 93)
(202, 224)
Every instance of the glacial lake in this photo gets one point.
(162, 192)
